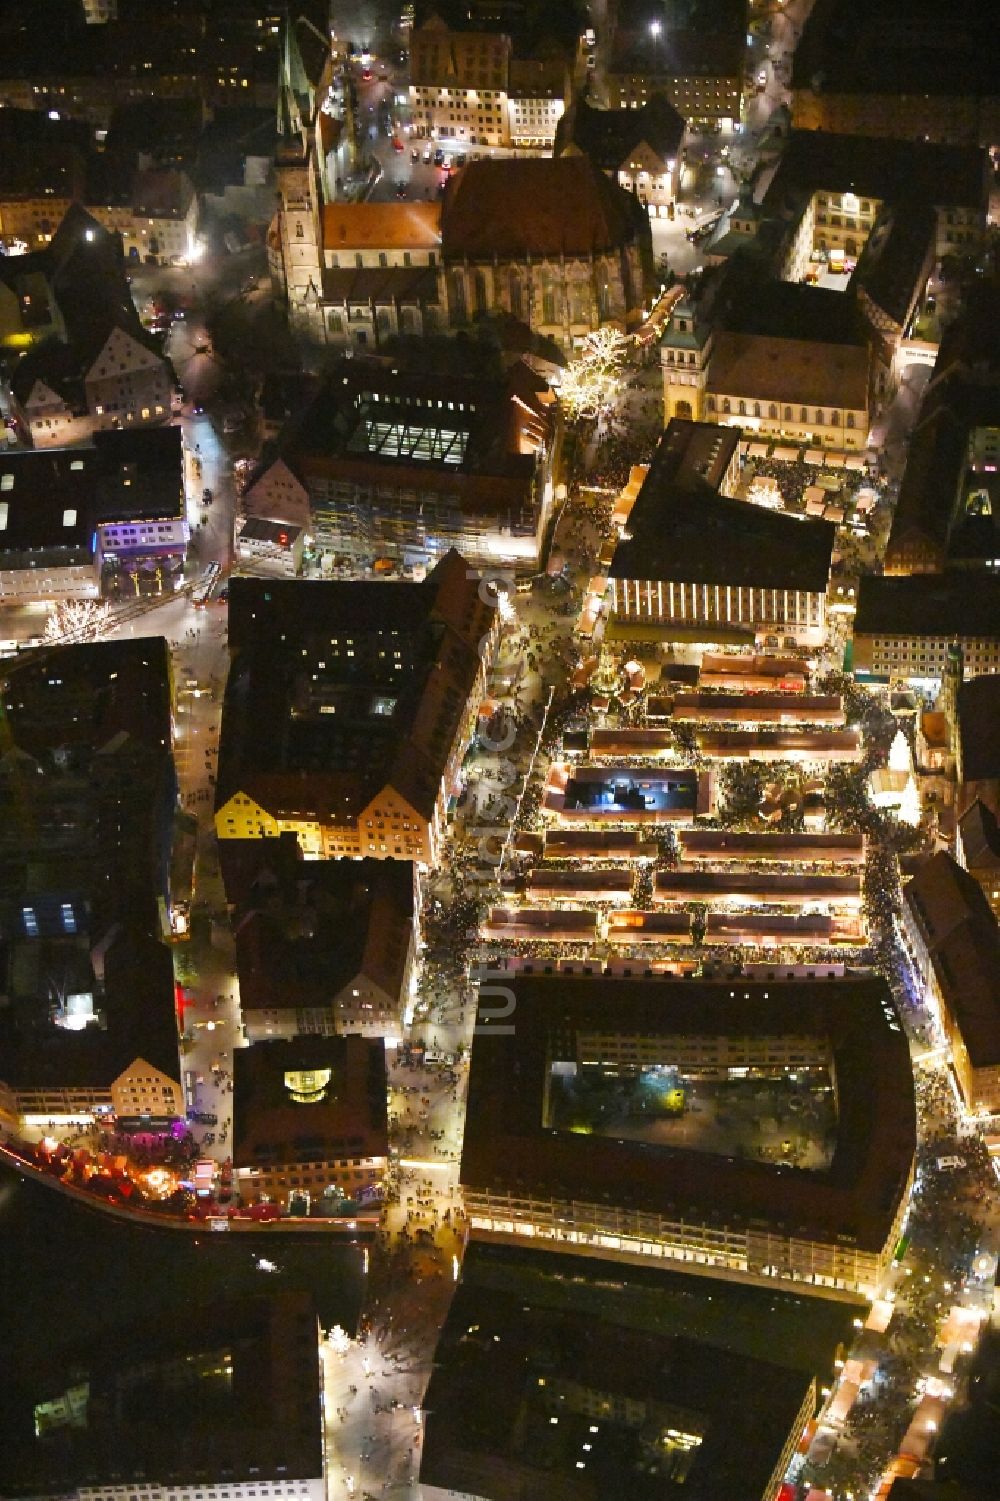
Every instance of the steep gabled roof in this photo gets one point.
(381, 226)
(607, 136)
(548, 206)
(979, 728)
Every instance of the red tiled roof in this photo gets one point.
(507, 1147)
(549, 206)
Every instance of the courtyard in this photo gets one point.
(790, 1119)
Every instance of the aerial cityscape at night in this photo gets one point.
(499, 750)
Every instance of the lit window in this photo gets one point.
(69, 518)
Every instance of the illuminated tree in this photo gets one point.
(591, 382)
(77, 620)
(909, 807)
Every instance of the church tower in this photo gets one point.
(684, 353)
(951, 684)
(296, 232)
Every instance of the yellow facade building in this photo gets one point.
(371, 698)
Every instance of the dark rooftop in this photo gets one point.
(419, 425)
(928, 604)
(692, 454)
(682, 51)
(725, 845)
(922, 172)
(792, 310)
(524, 1400)
(507, 1148)
(699, 536)
(896, 258)
(794, 888)
(963, 940)
(305, 929)
(310, 1099)
(607, 136)
(231, 1390)
(368, 684)
(418, 284)
(87, 792)
(940, 493)
(980, 834)
(979, 728)
(55, 497)
(259, 529)
(907, 47)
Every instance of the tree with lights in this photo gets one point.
(591, 382)
(77, 619)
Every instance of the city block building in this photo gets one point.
(698, 67)
(528, 1398)
(773, 358)
(89, 1028)
(157, 219)
(865, 218)
(321, 947)
(639, 149)
(953, 939)
(253, 1361)
(395, 461)
(904, 71)
(695, 566)
(103, 519)
(310, 1120)
(458, 83)
(376, 688)
(947, 514)
(906, 627)
(527, 1180)
(539, 90)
